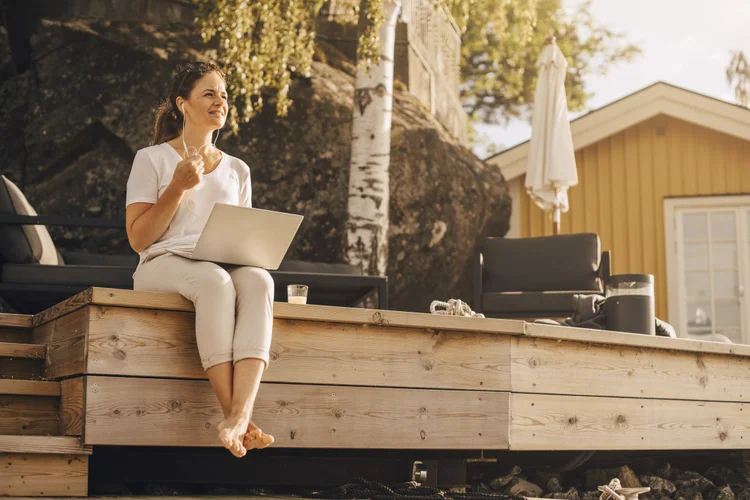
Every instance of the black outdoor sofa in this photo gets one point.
(30, 286)
(538, 277)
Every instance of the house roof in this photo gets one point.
(656, 99)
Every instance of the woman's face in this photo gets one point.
(206, 107)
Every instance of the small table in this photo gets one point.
(345, 290)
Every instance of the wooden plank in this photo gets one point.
(66, 348)
(44, 475)
(29, 387)
(142, 342)
(27, 351)
(56, 445)
(552, 422)
(283, 310)
(28, 415)
(72, 407)
(16, 320)
(15, 334)
(550, 366)
(63, 308)
(27, 369)
(633, 339)
(169, 412)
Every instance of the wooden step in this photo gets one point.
(29, 387)
(16, 320)
(56, 445)
(26, 351)
(21, 360)
(29, 415)
(15, 327)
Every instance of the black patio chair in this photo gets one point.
(537, 277)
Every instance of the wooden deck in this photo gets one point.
(356, 378)
(122, 368)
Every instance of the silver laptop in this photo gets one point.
(245, 237)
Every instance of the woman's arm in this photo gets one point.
(147, 222)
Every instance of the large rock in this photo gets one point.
(71, 126)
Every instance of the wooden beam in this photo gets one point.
(169, 412)
(28, 415)
(26, 351)
(549, 366)
(65, 307)
(633, 340)
(154, 343)
(16, 320)
(72, 407)
(27, 474)
(552, 423)
(66, 340)
(29, 387)
(43, 444)
(175, 302)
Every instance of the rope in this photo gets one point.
(360, 488)
(454, 307)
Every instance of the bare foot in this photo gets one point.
(231, 434)
(255, 438)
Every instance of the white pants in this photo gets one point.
(233, 305)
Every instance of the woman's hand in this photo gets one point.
(187, 173)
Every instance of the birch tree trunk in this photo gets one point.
(367, 223)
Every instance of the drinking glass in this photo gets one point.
(297, 294)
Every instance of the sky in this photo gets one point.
(684, 42)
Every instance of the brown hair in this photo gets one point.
(168, 122)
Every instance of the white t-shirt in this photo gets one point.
(153, 168)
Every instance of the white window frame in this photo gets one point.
(676, 304)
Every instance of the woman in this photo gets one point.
(171, 191)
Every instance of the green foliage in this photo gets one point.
(262, 42)
(502, 42)
(738, 75)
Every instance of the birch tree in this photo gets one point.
(367, 208)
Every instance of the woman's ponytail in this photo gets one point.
(168, 122)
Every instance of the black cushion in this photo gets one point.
(299, 266)
(531, 302)
(96, 259)
(548, 263)
(37, 274)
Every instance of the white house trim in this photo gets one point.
(659, 98)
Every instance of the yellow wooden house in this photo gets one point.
(664, 179)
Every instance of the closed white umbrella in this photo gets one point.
(552, 163)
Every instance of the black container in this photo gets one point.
(630, 303)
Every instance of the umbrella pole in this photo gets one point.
(556, 221)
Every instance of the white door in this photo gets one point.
(707, 268)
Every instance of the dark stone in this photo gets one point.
(591, 495)
(658, 484)
(522, 487)
(722, 493)
(501, 482)
(553, 485)
(721, 475)
(741, 491)
(665, 471)
(602, 477)
(571, 494)
(70, 126)
(692, 481)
